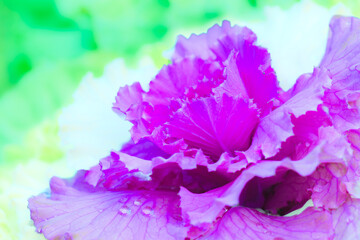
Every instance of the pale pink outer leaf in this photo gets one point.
(217, 43)
(342, 56)
(276, 127)
(328, 191)
(346, 221)
(193, 205)
(106, 215)
(342, 59)
(128, 96)
(249, 224)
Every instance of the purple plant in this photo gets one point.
(220, 151)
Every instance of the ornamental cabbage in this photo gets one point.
(220, 151)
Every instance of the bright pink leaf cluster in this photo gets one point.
(219, 151)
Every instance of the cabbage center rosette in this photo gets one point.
(220, 151)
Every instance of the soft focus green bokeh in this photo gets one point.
(47, 46)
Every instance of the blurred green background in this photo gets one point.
(47, 46)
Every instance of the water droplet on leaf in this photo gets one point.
(124, 210)
(147, 211)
